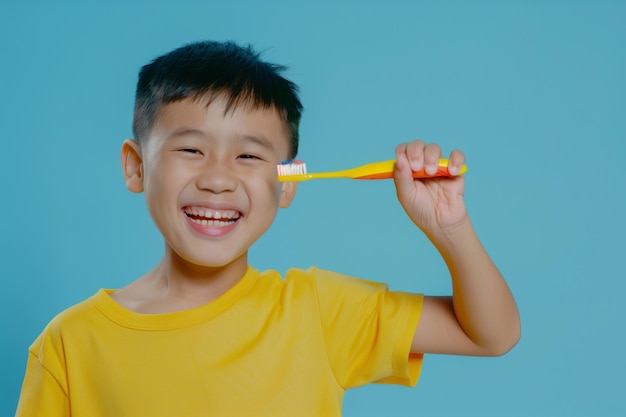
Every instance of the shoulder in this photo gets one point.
(50, 345)
(322, 281)
(72, 317)
(339, 294)
(333, 291)
(312, 283)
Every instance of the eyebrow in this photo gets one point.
(185, 132)
(259, 140)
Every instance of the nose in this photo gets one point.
(217, 177)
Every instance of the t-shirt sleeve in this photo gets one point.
(42, 392)
(368, 330)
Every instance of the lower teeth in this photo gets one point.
(212, 223)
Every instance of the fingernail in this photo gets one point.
(431, 169)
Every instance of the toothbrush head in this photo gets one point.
(290, 168)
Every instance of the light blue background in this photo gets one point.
(533, 92)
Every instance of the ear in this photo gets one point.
(132, 165)
(287, 193)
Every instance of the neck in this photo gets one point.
(176, 284)
(177, 278)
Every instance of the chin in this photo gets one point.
(214, 262)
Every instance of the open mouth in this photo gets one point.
(211, 218)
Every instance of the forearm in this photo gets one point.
(482, 301)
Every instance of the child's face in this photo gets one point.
(210, 178)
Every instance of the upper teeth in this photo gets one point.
(212, 214)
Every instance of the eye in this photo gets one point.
(248, 156)
(190, 150)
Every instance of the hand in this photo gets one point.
(435, 204)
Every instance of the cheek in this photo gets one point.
(264, 187)
(165, 174)
(154, 184)
(161, 188)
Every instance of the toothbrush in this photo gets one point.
(291, 171)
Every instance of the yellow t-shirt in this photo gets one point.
(269, 346)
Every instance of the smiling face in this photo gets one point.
(210, 180)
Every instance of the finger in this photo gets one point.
(402, 174)
(456, 161)
(415, 154)
(402, 162)
(432, 154)
(401, 149)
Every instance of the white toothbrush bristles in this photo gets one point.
(295, 167)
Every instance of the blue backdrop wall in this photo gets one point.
(534, 92)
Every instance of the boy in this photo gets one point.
(203, 333)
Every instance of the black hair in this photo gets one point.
(210, 69)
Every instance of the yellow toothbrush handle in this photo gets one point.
(384, 170)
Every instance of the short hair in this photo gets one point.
(211, 69)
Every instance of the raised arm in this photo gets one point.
(481, 317)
